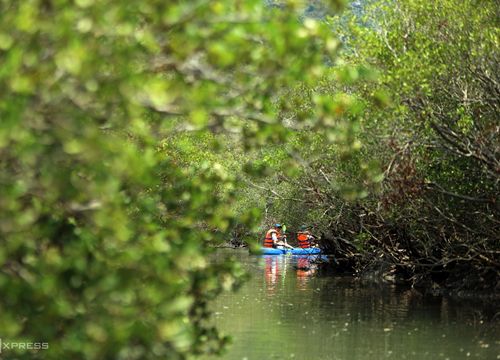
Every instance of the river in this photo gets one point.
(287, 311)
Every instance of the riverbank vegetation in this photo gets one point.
(429, 215)
(134, 137)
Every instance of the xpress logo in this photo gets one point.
(22, 345)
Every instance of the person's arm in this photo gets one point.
(312, 239)
(275, 238)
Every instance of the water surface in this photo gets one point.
(287, 311)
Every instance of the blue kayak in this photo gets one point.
(296, 251)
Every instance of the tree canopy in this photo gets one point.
(136, 135)
(105, 225)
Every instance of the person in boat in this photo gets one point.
(304, 238)
(274, 238)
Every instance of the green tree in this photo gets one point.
(417, 194)
(436, 217)
(104, 228)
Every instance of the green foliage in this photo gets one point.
(439, 61)
(437, 139)
(107, 207)
(408, 174)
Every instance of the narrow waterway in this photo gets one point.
(288, 311)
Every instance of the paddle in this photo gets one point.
(283, 227)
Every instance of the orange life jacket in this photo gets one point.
(268, 240)
(303, 239)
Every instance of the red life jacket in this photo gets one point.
(268, 240)
(303, 239)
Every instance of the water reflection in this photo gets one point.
(272, 272)
(306, 267)
(276, 268)
(287, 310)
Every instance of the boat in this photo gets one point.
(295, 251)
